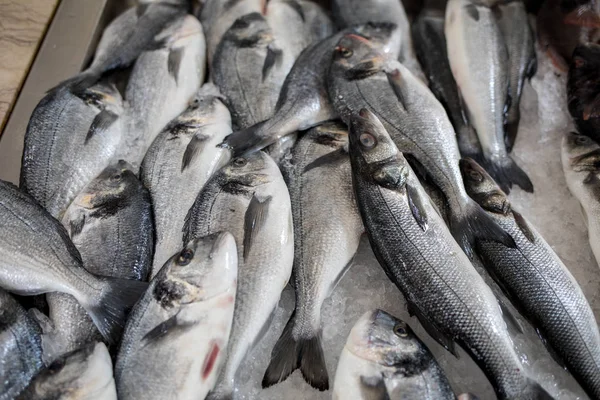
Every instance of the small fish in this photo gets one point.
(176, 336)
(583, 88)
(384, 359)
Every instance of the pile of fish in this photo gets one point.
(163, 207)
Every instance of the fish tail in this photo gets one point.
(506, 172)
(290, 354)
(249, 140)
(512, 128)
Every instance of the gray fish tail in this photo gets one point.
(506, 172)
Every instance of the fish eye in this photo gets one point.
(400, 330)
(56, 366)
(116, 177)
(367, 140)
(476, 176)
(185, 257)
(240, 162)
(581, 139)
(344, 52)
(241, 24)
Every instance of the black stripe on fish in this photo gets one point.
(274, 57)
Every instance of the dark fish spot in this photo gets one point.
(472, 11)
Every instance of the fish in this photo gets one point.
(583, 86)
(179, 162)
(522, 60)
(110, 223)
(430, 46)
(38, 257)
(69, 140)
(21, 344)
(327, 231)
(420, 256)
(86, 373)
(248, 198)
(303, 101)
(317, 24)
(361, 77)
(383, 357)
(282, 148)
(538, 283)
(161, 85)
(473, 34)
(176, 336)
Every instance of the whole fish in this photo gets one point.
(428, 35)
(21, 346)
(383, 357)
(414, 247)
(522, 61)
(70, 139)
(538, 283)
(327, 231)
(248, 198)
(472, 35)
(86, 373)
(303, 101)
(161, 85)
(38, 257)
(110, 223)
(583, 87)
(176, 336)
(360, 77)
(178, 164)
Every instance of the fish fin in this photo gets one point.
(507, 172)
(327, 159)
(103, 120)
(44, 322)
(431, 329)
(248, 140)
(472, 11)
(341, 275)
(364, 69)
(523, 226)
(192, 150)
(254, 220)
(297, 7)
(76, 226)
(534, 390)
(532, 66)
(141, 10)
(373, 388)
(510, 318)
(274, 57)
(416, 207)
(108, 313)
(290, 354)
(174, 62)
(395, 79)
(417, 168)
(511, 128)
(169, 327)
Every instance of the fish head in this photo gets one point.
(250, 30)
(103, 95)
(356, 57)
(249, 171)
(207, 107)
(386, 36)
(575, 145)
(482, 188)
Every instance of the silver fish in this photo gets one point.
(383, 358)
(175, 340)
(327, 231)
(178, 164)
(248, 198)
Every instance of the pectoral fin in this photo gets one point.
(254, 220)
(417, 207)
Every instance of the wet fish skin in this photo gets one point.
(327, 231)
(282, 148)
(538, 283)
(472, 33)
(384, 356)
(179, 162)
(249, 198)
(69, 140)
(419, 255)
(175, 339)
(86, 373)
(21, 346)
(51, 263)
(583, 86)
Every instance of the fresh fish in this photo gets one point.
(472, 35)
(38, 257)
(413, 245)
(248, 198)
(538, 283)
(161, 85)
(360, 77)
(327, 231)
(383, 357)
(583, 88)
(175, 339)
(522, 61)
(178, 164)
(428, 35)
(21, 347)
(70, 139)
(303, 101)
(86, 373)
(110, 223)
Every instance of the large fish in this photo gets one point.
(538, 283)
(178, 164)
(583, 88)
(418, 253)
(472, 35)
(384, 359)
(176, 337)
(38, 257)
(361, 77)
(248, 198)
(70, 139)
(327, 230)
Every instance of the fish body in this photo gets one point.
(176, 336)
(248, 198)
(473, 34)
(69, 140)
(383, 356)
(583, 86)
(327, 231)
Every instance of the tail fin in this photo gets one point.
(249, 140)
(506, 172)
(290, 354)
(79, 83)
(534, 391)
(512, 128)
